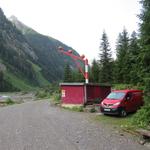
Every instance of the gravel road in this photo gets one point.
(38, 126)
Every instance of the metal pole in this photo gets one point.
(86, 71)
(75, 58)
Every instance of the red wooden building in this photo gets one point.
(82, 94)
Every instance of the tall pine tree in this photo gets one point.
(77, 76)
(145, 42)
(94, 76)
(122, 48)
(105, 60)
(145, 36)
(133, 59)
(67, 73)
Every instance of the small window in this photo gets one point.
(129, 96)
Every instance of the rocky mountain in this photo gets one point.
(29, 58)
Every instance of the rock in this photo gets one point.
(121, 134)
(142, 142)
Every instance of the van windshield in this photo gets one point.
(116, 95)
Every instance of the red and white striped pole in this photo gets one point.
(86, 71)
(75, 58)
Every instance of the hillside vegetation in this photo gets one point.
(28, 59)
(131, 68)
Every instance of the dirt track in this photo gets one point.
(38, 126)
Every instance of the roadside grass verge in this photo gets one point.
(125, 124)
(51, 92)
(42, 94)
(116, 121)
(132, 123)
(74, 108)
(55, 98)
(142, 118)
(9, 101)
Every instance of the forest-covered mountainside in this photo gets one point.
(27, 58)
(46, 48)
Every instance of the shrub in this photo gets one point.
(56, 98)
(97, 100)
(127, 86)
(75, 108)
(147, 86)
(92, 110)
(9, 101)
(142, 117)
(78, 109)
(41, 94)
(48, 91)
(121, 86)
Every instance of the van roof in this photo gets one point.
(127, 90)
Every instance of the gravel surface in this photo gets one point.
(38, 126)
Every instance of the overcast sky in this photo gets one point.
(77, 23)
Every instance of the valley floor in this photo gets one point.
(38, 126)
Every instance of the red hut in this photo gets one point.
(82, 93)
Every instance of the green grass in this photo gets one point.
(42, 81)
(42, 94)
(116, 121)
(22, 84)
(55, 98)
(75, 108)
(9, 101)
(17, 82)
(142, 118)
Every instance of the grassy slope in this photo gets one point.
(42, 81)
(21, 83)
(17, 82)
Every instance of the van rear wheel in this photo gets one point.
(123, 113)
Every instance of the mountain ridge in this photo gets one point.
(28, 56)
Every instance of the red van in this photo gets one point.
(120, 102)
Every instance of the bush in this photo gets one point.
(48, 91)
(56, 98)
(9, 101)
(75, 108)
(78, 109)
(41, 94)
(142, 117)
(147, 86)
(122, 86)
(97, 100)
(127, 86)
(92, 110)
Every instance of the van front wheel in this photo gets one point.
(123, 113)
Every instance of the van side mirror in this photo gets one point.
(127, 98)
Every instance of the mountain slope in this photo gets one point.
(15, 53)
(27, 58)
(46, 48)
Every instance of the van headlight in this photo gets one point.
(118, 103)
